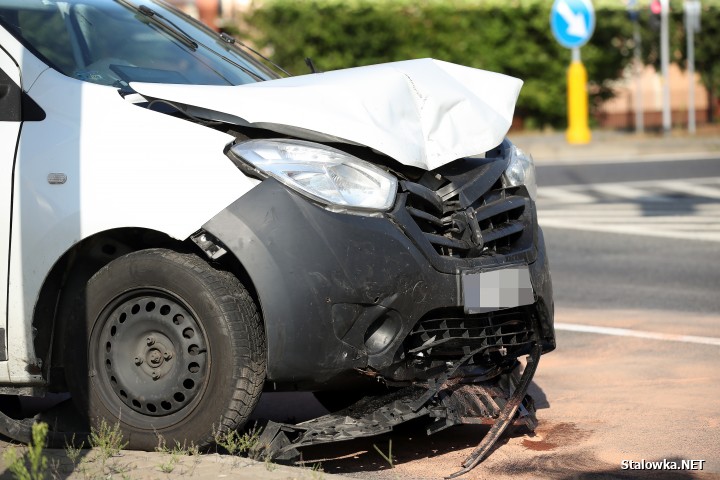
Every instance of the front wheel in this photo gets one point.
(175, 350)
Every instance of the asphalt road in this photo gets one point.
(604, 270)
(553, 175)
(598, 269)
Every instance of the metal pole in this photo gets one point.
(691, 74)
(690, 35)
(665, 62)
(576, 54)
(639, 109)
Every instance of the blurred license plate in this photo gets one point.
(488, 291)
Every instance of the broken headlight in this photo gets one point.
(521, 171)
(324, 174)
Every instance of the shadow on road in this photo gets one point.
(409, 443)
(538, 396)
(681, 205)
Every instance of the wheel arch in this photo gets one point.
(79, 263)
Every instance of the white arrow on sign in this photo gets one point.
(576, 21)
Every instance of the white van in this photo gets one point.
(181, 228)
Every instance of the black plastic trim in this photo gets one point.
(10, 99)
(324, 279)
(31, 111)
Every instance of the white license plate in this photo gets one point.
(497, 289)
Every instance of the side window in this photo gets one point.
(10, 99)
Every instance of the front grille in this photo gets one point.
(468, 215)
(449, 335)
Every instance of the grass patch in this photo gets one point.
(236, 443)
(33, 465)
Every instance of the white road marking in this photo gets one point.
(659, 222)
(565, 195)
(625, 191)
(639, 183)
(634, 230)
(680, 209)
(625, 332)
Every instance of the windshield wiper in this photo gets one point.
(170, 27)
(232, 40)
(165, 24)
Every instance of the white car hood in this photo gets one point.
(423, 113)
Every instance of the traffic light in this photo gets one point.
(655, 14)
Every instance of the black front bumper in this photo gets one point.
(341, 293)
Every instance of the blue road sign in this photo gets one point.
(572, 22)
(633, 10)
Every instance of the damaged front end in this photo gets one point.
(392, 241)
(436, 298)
(380, 222)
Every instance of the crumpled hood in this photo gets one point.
(423, 113)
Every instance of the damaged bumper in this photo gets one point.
(451, 403)
(346, 295)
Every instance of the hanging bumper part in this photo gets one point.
(446, 402)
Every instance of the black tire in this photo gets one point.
(172, 349)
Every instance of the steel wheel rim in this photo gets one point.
(152, 357)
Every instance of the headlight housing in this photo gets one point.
(521, 171)
(337, 180)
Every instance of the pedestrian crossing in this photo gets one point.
(687, 209)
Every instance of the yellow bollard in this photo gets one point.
(578, 132)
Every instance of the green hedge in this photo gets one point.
(507, 36)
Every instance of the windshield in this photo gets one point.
(121, 41)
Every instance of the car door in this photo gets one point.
(10, 122)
